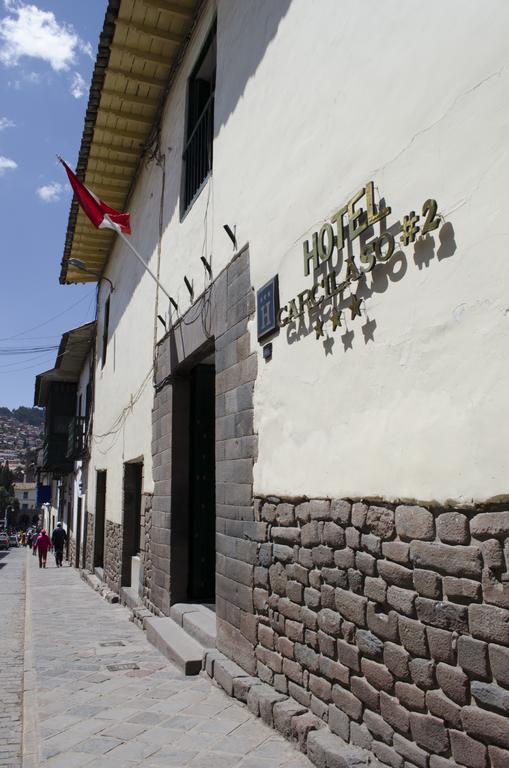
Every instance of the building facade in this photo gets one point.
(25, 493)
(65, 391)
(306, 434)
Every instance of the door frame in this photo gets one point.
(100, 518)
(79, 508)
(131, 517)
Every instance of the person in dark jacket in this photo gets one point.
(58, 539)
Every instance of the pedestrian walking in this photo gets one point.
(58, 539)
(42, 544)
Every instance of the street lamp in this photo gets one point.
(79, 264)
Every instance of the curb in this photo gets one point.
(99, 586)
(292, 720)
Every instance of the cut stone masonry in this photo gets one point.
(221, 328)
(113, 555)
(89, 564)
(388, 623)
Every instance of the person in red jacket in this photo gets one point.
(42, 544)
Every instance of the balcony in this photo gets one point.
(77, 442)
(54, 455)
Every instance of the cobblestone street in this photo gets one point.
(12, 624)
(81, 711)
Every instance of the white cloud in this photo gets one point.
(86, 48)
(78, 86)
(33, 78)
(6, 164)
(50, 193)
(30, 31)
(5, 123)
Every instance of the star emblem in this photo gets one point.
(336, 318)
(347, 339)
(319, 328)
(352, 273)
(355, 307)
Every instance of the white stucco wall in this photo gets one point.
(313, 100)
(124, 390)
(123, 387)
(78, 479)
(418, 102)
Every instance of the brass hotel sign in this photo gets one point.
(346, 225)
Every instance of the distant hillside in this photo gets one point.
(32, 416)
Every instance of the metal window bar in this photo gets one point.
(198, 152)
(77, 438)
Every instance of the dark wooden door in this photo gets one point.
(100, 507)
(85, 540)
(133, 483)
(78, 533)
(202, 556)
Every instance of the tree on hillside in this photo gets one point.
(7, 498)
(6, 478)
(18, 475)
(33, 416)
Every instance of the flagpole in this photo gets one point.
(140, 259)
(95, 210)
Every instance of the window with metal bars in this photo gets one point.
(197, 156)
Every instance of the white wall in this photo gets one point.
(418, 102)
(78, 478)
(314, 98)
(124, 390)
(123, 387)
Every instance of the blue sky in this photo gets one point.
(47, 53)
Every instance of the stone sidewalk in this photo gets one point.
(12, 626)
(103, 696)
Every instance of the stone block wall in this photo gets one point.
(89, 564)
(217, 323)
(391, 623)
(71, 549)
(236, 451)
(113, 540)
(146, 527)
(158, 589)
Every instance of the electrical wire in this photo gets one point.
(39, 361)
(35, 361)
(93, 298)
(38, 338)
(25, 368)
(119, 422)
(45, 322)
(16, 351)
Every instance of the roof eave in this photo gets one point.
(94, 97)
(87, 245)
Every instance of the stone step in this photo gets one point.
(99, 573)
(174, 643)
(129, 596)
(92, 581)
(199, 621)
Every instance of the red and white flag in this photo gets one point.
(100, 214)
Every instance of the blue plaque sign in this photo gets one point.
(267, 307)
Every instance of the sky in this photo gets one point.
(47, 55)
